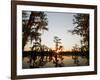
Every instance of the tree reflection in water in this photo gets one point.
(76, 61)
(51, 60)
(38, 61)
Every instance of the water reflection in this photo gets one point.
(76, 61)
(45, 61)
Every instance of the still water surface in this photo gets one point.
(65, 61)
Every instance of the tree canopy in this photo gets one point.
(81, 23)
(32, 23)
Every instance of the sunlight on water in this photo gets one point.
(64, 62)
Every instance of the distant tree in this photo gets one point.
(81, 22)
(45, 48)
(75, 48)
(57, 42)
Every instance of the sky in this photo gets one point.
(58, 25)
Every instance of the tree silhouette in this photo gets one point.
(31, 27)
(75, 48)
(60, 48)
(57, 42)
(81, 22)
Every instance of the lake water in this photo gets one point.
(63, 61)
